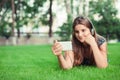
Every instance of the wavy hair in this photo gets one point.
(79, 48)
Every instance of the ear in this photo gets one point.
(92, 31)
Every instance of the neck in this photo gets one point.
(85, 44)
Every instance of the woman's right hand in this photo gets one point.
(57, 48)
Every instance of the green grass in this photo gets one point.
(38, 63)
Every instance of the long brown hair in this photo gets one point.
(79, 48)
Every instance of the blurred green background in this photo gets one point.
(39, 63)
(42, 21)
(32, 25)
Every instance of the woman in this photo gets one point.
(89, 48)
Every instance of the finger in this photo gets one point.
(87, 35)
(57, 52)
(53, 50)
(58, 49)
(57, 45)
(55, 41)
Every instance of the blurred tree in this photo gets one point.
(22, 12)
(73, 9)
(82, 7)
(65, 30)
(47, 18)
(106, 22)
(50, 19)
(4, 26)
(13, 18)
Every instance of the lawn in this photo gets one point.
(38, 63)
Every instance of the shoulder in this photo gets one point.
(102, 44)
(100, 40)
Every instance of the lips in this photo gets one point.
(81, 39)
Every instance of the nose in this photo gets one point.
(80, 34)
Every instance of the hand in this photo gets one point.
(57, 48)
(90, 39)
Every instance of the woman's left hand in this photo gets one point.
(89, 39)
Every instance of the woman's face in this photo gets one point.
(81, 32)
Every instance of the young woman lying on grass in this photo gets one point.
(89, 48)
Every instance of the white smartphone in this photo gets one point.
(66, 45)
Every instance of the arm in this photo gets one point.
(66, 61)
(100, 54)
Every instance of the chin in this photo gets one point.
(82, 41)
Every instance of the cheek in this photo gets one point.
(86, 33)
(76, 35)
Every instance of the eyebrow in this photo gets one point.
(80, 29)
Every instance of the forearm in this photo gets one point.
(63, 63)
(100, 59)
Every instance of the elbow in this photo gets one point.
(103, 66)
(67, 67)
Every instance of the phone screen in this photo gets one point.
(66, 45)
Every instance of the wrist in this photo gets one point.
(59, 55)
(93, 44)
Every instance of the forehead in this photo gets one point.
(80, 26)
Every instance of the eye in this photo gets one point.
(76, 31)
(83, 30)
